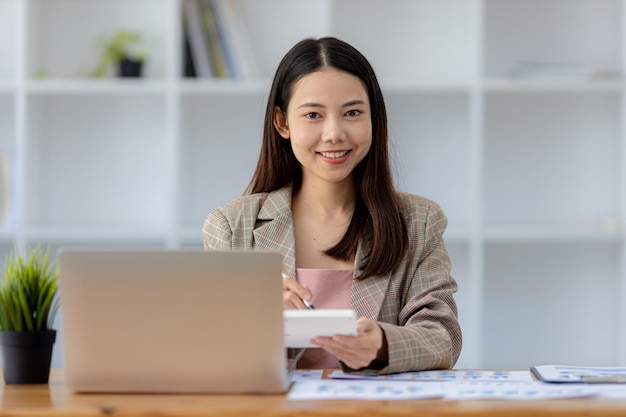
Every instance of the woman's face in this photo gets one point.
(328, 121)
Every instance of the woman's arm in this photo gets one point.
(428, 335)
(420, 325)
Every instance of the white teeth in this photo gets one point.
(333, 155)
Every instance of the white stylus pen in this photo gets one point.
(306, 303)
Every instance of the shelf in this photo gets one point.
(190, 87)
(537, 234)
(96, 87)
(98, 236)
(552, 85)
(433, 85)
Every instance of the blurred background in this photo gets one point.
(508, 113)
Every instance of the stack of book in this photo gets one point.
(216, 40)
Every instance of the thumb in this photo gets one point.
(364, 326)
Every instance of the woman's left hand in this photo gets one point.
(355, 351)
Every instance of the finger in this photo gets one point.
(365, 326)
(353, 351)
(293, 285)
(334, 345)
(288, 282)
(291, 301)
(355, 359)
(288, 305)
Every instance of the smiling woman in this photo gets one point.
(323, 196)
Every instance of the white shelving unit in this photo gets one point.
(531, 172)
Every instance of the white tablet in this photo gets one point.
(303, 325)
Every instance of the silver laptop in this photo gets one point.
(172, 321)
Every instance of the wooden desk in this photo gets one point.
(55, 400)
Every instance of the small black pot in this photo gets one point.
(130, 68)
(27, 356)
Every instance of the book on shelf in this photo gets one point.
(198, 43)
(236, 39)
(216, 40)
(189, 67)
(216, 47)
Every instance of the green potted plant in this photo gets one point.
(126, 50)
(28, 306)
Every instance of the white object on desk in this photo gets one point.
(335, 389)
(444, 376)
(565, 373)
(353, 389)
(515, 390)
(303, 325)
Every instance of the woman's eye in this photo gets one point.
(353, 113)
(312, 115)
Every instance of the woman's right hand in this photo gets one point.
(294, 293)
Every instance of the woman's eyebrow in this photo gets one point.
(347, 104)
(310, 104)
(354, 103)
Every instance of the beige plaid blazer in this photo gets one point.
(414, 305)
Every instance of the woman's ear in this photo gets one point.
(280, 123)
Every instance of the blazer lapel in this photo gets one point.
(276, 229)
(368, 294)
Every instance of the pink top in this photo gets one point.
(331, 289)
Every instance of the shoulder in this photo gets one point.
(415, 205)
(232, 225)
(243, 204)
(265, 205)
(421, 212)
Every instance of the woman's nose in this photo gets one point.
(333, 130)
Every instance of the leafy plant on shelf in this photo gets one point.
(28, 292)
(122, 46)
